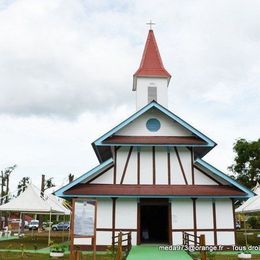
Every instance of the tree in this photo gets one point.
(71, 177)
(22, 185)
(5, 176)
(46, 184)
(246, 168)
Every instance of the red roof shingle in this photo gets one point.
(151, 63)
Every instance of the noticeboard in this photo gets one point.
(84, 221)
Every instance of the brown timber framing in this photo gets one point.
(154, 170)
(126, 164)
(170, 222)
(169, 166)
(115, 158)
(113, 219)
(138, 223)
(203, 229)
(138, 166)
(194, 216)
(192, 162)
(219, 183)
(117, 229)
(181, 166)
(234, 218)
(214, 222)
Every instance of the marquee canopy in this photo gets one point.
(31, 201)
(252, 204)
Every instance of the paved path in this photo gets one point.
(145, 252)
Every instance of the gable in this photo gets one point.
(105, 177)
(168, 127)
(221, 177)
(201, 178)
(171, 131)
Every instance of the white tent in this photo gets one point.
(31, 201)
(252, 204)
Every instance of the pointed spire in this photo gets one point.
(151, 64)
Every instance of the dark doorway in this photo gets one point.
(154, 222)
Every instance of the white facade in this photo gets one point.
(182, 216)
(162, 155)
(151, 173)
(161, 85)
(168, 126)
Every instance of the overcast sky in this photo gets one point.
(66, 71)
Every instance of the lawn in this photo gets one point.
(31, 242)
(253, 240)
(14, 256)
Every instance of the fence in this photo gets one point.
(118, 241)
(196, 240)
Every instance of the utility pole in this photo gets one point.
(43, 184)
(2, 187)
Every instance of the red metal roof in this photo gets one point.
(151, 63)
(142, 190)
(188, 140)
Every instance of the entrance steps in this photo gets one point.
(152, 252)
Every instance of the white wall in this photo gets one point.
(131, 171)
(176, 173)
(177, 237)
(142, 91)
(161, 165)
(146, 165)
(168, 126)
(201, 179)
(126, 213)
(105, 178)
(209, 237)
(182, 213)
(204, 212)
(121, 158)
(185, 157)
(224, 213)
(226, 238)
(104, 213)
(104, 237)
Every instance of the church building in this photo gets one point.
(151, 178)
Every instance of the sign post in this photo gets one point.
(84, 215)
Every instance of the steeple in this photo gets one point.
(151, 79)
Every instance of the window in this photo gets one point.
(153, 125)
(152, 94)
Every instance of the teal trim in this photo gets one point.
(167, 112)
(222, 175)
(60, 192)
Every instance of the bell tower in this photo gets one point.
(151, 80)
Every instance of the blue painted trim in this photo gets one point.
(60, 192)
(222, 175)
(167, 112)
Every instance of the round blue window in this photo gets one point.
(153, 125)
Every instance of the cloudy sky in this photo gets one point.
(66, 71)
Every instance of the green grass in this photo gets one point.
(29, 242)
(14, 256)
(252, 240)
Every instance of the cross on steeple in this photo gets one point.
(150, 24)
